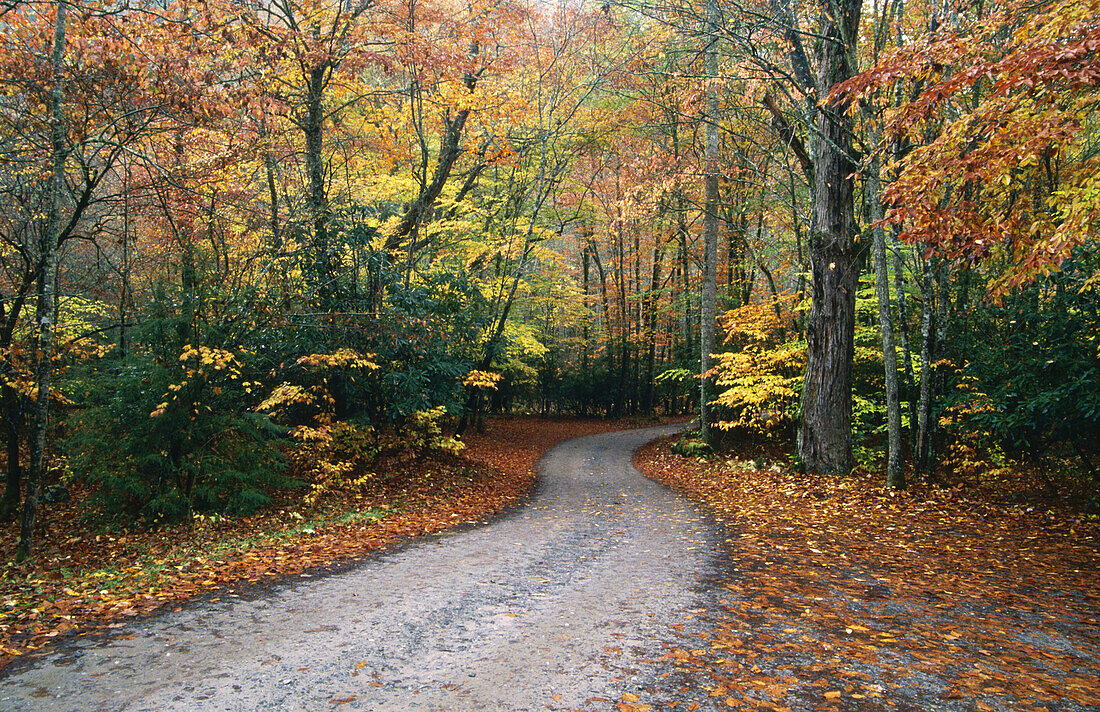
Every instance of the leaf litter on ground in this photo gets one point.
(837, 594)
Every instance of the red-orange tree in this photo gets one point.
(1002, 172)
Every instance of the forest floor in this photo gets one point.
(86, 577)
(837, 594)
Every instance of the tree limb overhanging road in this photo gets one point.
(545, 608)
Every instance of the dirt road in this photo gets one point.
(546, 608)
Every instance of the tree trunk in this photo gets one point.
(895, 475)
(709, 294)
(923, 455)
(47, 292)
(906, 351)
(621, 277)
(825, 433)
(320, 270)
(270, 164)
(687, 344)
(586, 378)
(650, 318)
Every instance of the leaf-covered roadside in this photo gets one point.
(836, 594)
(83, 580)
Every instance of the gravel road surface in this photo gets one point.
(547, 608)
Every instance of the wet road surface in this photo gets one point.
(545, 608)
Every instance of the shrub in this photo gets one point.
(759, 379)
(167, 440)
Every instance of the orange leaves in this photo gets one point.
(629, 702)
(284, 395)
(760, 323)
(989, 119)
(843, 592)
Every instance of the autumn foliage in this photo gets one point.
(296, 247)
(836, 593)
(999, 171)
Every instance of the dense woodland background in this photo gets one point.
(252, 246)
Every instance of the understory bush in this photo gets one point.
(163, 441)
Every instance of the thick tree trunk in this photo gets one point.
(47, 293)
(825, 433)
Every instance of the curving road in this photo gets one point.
(549, 607)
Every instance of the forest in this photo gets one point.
(250, 248)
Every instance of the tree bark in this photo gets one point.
(448, 154)
(47, 293)
(906, 351)
(922, 457)
(709, 294)
(313, 128)
(895, 475)
(825, 433)
(586, 381)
